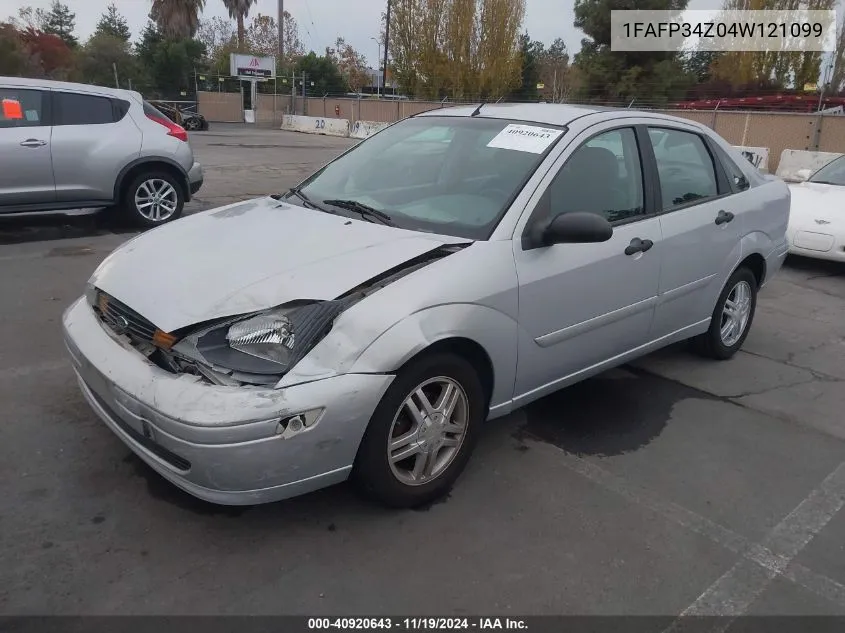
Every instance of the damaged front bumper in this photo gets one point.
(226, 445)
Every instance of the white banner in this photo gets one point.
(252, 66)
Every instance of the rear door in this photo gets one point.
(26, 170)
(93, 139)
(701, 233)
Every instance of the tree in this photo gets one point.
(837, 77)
(61, 22)
(50, 53)
(114, 24)
(239, 10)
(614, 75)
(555, 71)
(262, 36)
(101, 54)
(220, 40)
(466, 48)
(292, 41)
(350, 63)
(531, 52)
(15, 58)
(177, 19)
(777, 69)
(29, 18)
(323, 72)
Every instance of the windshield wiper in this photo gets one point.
(309, 203)
(823, 182)
(366, 211)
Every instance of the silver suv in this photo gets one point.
(68, 146)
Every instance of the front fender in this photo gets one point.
(494, 331)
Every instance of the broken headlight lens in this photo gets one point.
(267, 343)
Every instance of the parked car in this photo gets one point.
(191, 121)
(67, 146)
(451, 268)
(817, 223)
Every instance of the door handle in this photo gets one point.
(724, 217)
(33, 142)
(638, 246)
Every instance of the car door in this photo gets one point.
(26, 170)
(701, 240)
(93, 140)
(581, 305)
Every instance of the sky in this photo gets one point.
(321, 22)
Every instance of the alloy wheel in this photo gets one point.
(735, 313)
(428, 431)
(156, 199)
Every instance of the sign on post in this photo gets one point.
(252, 67)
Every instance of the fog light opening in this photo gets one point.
(290, 426)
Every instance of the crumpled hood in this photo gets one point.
(251, 256)
(812, 201)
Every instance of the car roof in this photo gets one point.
(47, 84)
(561, 114)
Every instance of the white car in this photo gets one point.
(817, 218)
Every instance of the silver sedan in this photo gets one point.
(453, 267)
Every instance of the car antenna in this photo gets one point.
(477, 111)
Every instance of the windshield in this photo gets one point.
(832, 174)
(449, 175)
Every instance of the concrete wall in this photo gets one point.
(776, 131)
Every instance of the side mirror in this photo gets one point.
(575, 228)
(803, 174)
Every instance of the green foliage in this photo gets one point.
(531, 52)
(114, 24)
(323, 71)
(654, 77)
(61, 21)
(15, 58)
(98, 57)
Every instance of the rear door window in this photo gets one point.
(687, 172)
(23, 108)
(82, 109)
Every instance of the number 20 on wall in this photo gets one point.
(321, 124)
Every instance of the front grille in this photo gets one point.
(122, 319)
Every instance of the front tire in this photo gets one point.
(422, 433)
(731, 319)
(153, 199)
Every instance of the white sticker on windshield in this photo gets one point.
(525, 138)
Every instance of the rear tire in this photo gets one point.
(732, 317)
(437, 445)
(153, 199)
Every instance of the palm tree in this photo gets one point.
(177, 18)
(239, 9)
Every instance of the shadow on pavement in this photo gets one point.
(60, 227)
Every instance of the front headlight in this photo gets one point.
(268, 343)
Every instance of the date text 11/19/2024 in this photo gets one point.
(417, 624)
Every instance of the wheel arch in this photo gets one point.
(485, 337)
(153, 163)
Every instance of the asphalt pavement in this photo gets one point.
(674, 485)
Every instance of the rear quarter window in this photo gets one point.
(82, 109)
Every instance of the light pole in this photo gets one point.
(378, 77)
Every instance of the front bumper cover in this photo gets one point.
(218, 443)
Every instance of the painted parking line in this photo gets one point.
(761, 562)
(733, 593)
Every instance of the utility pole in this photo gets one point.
(386, 46)
(281, 31)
